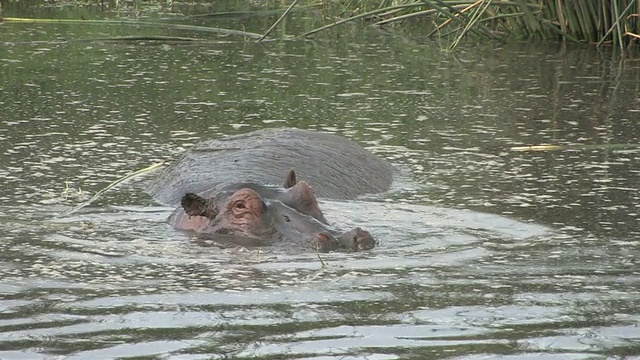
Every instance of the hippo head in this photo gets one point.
(267, 215)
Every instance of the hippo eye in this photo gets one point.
(240, 205)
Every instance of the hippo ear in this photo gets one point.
(195, 205)
(290, 179)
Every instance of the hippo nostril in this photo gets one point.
(324, 242)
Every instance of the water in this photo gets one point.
(485, 252)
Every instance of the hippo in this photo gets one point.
(247, 188)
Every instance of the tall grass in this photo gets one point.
(599, 22)
(614, 22)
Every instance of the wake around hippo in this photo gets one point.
(214, 203)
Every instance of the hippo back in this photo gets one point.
(334, 166)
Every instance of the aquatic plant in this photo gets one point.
(615, 22)
(599, 22)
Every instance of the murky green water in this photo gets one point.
(485, 252)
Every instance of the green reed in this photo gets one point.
(614, 22)
(599, 22)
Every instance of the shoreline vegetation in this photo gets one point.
(596, 22)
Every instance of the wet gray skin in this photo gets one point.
(288, 215)
(338, 168)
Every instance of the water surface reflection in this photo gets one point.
(485, 252)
